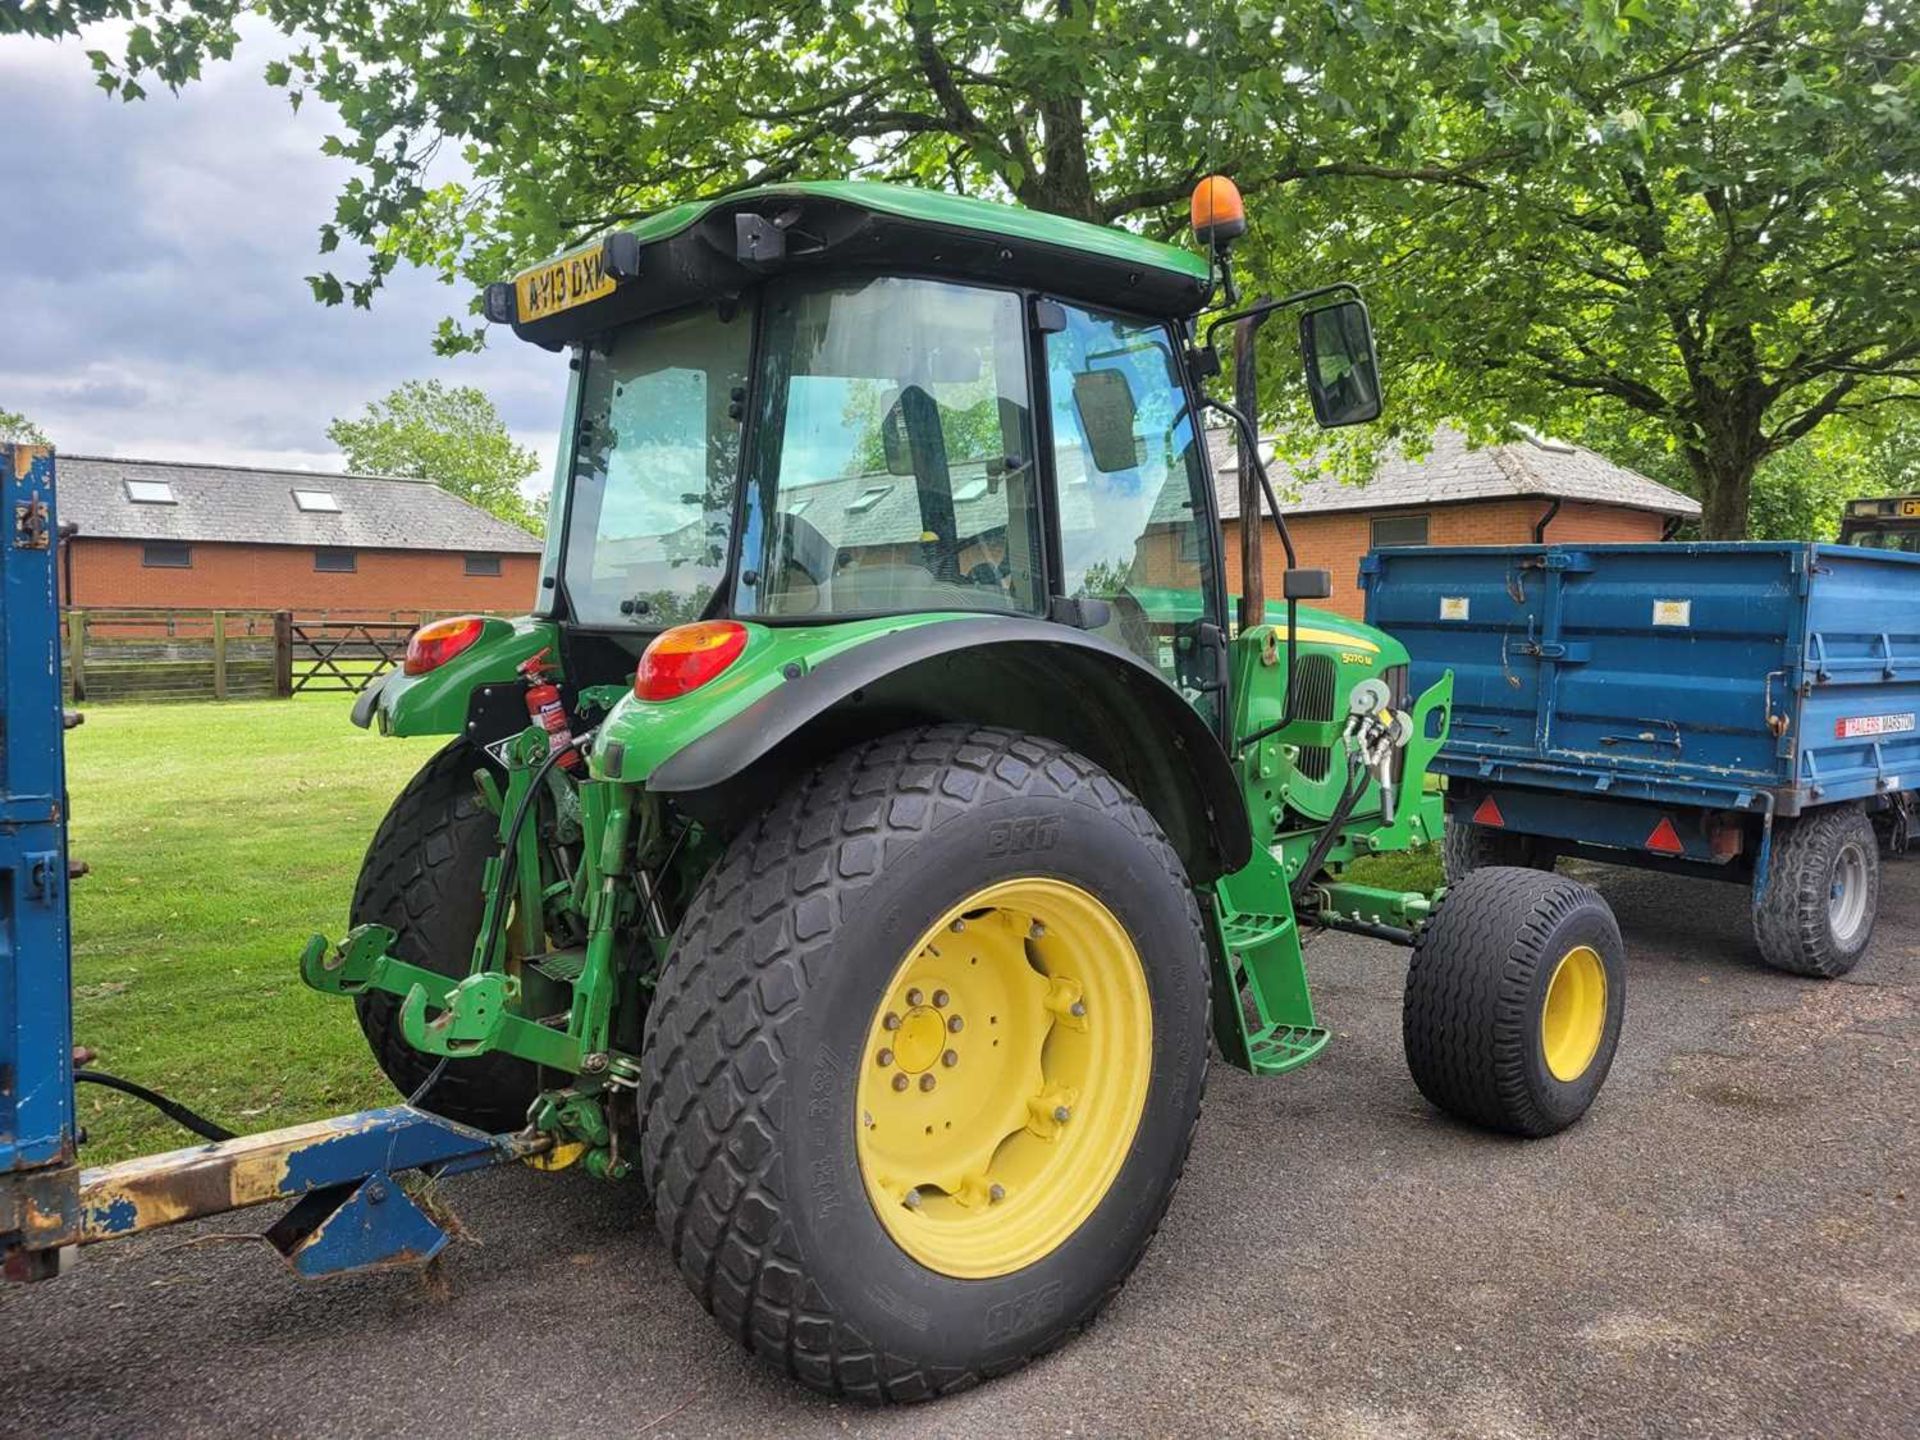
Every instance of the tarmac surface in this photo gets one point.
(1727, 1245)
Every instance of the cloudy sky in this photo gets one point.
(152, 276)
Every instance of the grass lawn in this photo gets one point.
(221, 837)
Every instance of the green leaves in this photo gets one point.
(452, 436)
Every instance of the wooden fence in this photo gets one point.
(228, 654)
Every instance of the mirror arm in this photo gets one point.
(1267, 307)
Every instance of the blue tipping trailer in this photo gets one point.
(1742, 711)
(349, 1209)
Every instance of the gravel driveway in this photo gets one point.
(1726, 1246)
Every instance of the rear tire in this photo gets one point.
(1467, 847)
(1514, 1001)
(1823, 893)
(759, 1126)
(422, 879)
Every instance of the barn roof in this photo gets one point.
(1451, 473)
(243, 505)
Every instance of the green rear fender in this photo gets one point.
(799, 694)
(436, 703)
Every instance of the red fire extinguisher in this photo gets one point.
(548, 711)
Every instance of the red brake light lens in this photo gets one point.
(687, 657)
(431, 646)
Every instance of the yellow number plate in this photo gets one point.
(1910, 507)
(562, 284)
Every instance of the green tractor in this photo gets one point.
(879, 818)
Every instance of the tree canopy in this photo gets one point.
(452, 436)
(1694, 218)
(17, 429)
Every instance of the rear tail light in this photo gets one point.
(687, 657)
(432, 646)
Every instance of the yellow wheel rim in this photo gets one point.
(1004, 1076)
(1575, 1015)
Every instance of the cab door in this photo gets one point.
(1132, 506)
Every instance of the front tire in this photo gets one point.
(1515, 997)
(940, 875)
(422, 879)
(1823, 893)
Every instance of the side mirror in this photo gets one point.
(1306, 585)
(1107, 413)
(1343, 372)
(894, 443)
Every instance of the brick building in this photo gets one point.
(1499, 495)
(225, 537)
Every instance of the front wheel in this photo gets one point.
(1514, 1001)
(922, 1072)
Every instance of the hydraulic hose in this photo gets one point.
(180, 1115)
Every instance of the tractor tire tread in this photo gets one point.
(709, 1106)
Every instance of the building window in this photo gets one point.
(333, 561)
(149, 492)
(166, 555)
(316, 502)
(1399, 530)
(478, 564)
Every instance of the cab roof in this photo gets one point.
(715, 248)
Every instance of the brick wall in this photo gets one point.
(1337, 541)
(109, 573)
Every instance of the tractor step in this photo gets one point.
(1276, 1049)
(560, 965)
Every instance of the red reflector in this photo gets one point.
(687, 657)
(1666, 839)
(431, 646)
(1489, 813)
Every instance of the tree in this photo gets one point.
(17, 429)
(451, 436)
(1695, 221)
(1696, 217)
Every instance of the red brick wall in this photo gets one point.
(1337, 541)
(108, 573)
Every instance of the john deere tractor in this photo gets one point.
(880, 815)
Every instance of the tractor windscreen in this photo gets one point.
(651, 500)
(892, 460)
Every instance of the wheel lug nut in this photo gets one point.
(885, 1057)
(958, 926)
(914, 997)
(900, 1082)
(1037, 930)
(926, 1082)
(955, 1024)
(892, 1022)
(1061, 1113)
(911, 1199)
(940, 998)
(950, 1059)
(1077, 1009)
(996, 1192)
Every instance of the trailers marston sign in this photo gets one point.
(1857, 727)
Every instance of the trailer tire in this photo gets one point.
(1514, 1001)
(422, 879)
(1817, 914)
(1467, 847)
(769, 1081)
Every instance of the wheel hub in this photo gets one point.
(1574, 1017)
(1005, 1073)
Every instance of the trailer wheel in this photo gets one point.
(1823, 893)
(422, 877)
(922, 1072)
(1467, 847)
(1514, 1001)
